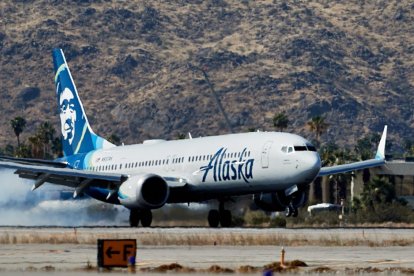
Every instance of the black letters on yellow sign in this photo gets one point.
(116, 253)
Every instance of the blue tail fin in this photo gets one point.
(77, 136)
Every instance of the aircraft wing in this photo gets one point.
(48, 172)
(55, 172)
(376, 162)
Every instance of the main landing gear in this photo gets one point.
(220, 216)
(137, 215)
(291, 210)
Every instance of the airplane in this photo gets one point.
(275, 167)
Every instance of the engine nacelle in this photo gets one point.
(277, 202)
(148, 191)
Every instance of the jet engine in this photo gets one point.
(277, 202)
(148, 191)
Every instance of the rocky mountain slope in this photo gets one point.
(137, 65)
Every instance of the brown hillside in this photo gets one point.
(133, 63)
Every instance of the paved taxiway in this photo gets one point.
(15, 256)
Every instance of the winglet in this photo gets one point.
(381, 147)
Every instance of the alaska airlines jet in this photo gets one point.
(276, 168)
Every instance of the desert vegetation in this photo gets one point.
(333, 72)
(211, 237)
(350, 62)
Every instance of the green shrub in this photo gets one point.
(278, 221)
(256, 218)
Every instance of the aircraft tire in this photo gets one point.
(225, 218)
(134, 218)
(213, 218)
(288, 211)
(146, 218)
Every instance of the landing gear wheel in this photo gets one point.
(225, 218)
(291, 211)
(146, 218)
(134, 218)
(288, 211)
(213, 218)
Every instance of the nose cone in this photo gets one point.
(311, 165)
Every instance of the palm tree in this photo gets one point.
(318, 125)
(57, 147)
(18, 124)
(36, 146)
(280, 121)
(46, 133)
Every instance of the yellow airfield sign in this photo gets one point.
(116, 253)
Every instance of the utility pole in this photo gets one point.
(215, 95)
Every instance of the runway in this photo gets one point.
(26, 250)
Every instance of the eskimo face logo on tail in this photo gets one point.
(67, 115)
(226, 170)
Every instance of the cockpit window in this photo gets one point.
(310, 147)
(290, 149)
(287, 149)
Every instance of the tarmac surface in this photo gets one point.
(24, 256)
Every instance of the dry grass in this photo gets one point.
(193, 237)
(275, 267)
(177, 268)
(174, 267)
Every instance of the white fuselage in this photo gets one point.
(230, 164)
